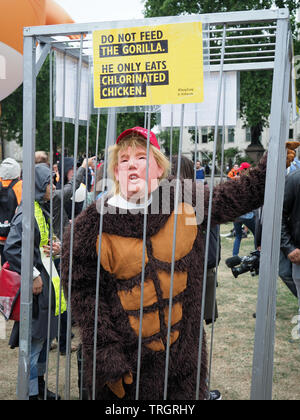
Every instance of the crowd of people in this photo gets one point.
(133, 283)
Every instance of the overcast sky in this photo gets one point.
(101, 10)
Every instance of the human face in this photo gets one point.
(48, 192)
(70, 174)
(131, 172)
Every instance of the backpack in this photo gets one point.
(8, 205)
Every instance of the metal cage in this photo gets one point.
(229, 47)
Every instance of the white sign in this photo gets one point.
(205, 113)
(71, 68)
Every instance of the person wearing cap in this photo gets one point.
(121, 215)
(234, 171)
(244, 166)
(10, 197)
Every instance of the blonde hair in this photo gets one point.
(41, 157)
(134, 142)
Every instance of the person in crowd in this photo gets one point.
(200, 172)
(55, 173)
(98, 187)
(41, 282)
(10, 197)
(120, 249)
(41, 157)
(207, 169)
(290, 231)
(65, 178)
(234, 171)
(295, 165)
(66, 193)
(285, 265)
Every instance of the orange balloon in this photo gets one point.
(55, 14)
(14, 16)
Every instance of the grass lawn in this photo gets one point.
(233, 340)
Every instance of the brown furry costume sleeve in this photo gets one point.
(236, 197)
(84, 267)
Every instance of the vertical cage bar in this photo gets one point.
(143, 263)
(97, 143)
(178, 186)
(112, 126)
(89, 102)
(61, 220)
(108, 134)
(29, 121)
(209, 213)
(262, 369)
(171, 132)
(48, 344)
(196, 143)
(76, 135)
(218, 244)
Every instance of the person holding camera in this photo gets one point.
(290, 231)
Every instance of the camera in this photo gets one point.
(240, 265)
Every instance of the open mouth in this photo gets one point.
(133, 177)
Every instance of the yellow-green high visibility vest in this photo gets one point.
(44, 233)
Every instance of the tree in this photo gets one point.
(128, 120)
(256, 86)
(165, 140)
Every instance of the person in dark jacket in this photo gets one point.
(285, 265)
(67, 176)
(290, 231)
(41, 281)
(65, 194)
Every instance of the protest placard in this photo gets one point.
(154, 65)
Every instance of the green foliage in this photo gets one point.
(164, 138)
(12, 116)
(256, 90)
(129, 120)
(256, 86)
(174, 7)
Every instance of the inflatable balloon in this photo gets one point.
(15, 15)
